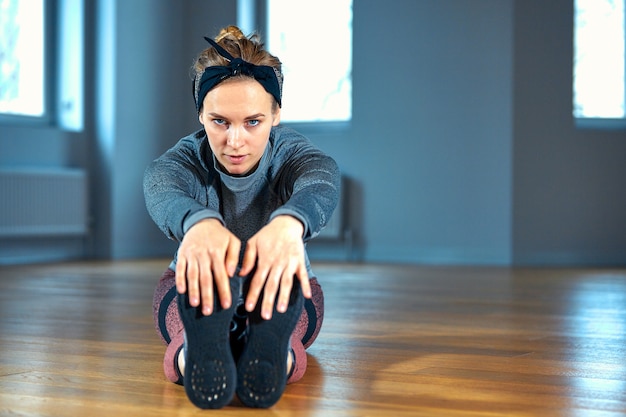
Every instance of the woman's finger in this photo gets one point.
(286, 284)
(193, 290)
(270, 290)
(181, 276)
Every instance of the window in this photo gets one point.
(599, 59)
(316, 53)
(31, 31)
(22, 58)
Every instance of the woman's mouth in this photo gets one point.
(236, 159)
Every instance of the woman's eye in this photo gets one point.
(220, 122)
(253, 122)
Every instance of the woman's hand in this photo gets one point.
(207, 258)
(277, 252)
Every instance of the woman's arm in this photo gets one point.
(310, 182)
(175, 190)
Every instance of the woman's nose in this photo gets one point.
(234, 138)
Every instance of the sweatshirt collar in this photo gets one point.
(236, 183)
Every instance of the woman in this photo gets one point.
(242, 196)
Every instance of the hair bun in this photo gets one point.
(232, 32)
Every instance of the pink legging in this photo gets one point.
(169, 325)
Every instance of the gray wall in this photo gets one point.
(569, 192)
(462, 148)
(430, 143)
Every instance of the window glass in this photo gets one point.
(22, 60)
(314, 42)
(599, 58)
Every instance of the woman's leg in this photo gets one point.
(306, 331)
(210, 373)
(310, 322)
(168, 324)
(169, 327)
(262, 370)
(165, 310)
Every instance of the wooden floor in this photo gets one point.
(78, 340)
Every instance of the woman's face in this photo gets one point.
(237, 116)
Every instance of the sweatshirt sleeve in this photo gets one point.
(313, 180)
(175, 192)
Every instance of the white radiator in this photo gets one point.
(38, 202)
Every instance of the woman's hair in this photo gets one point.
(249, 48)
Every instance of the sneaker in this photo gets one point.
(262, 368)
(210, 373)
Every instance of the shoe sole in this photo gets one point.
(210, 375)
(262, 368)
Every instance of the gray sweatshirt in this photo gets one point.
(294, 177)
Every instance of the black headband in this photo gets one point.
(267, 76)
